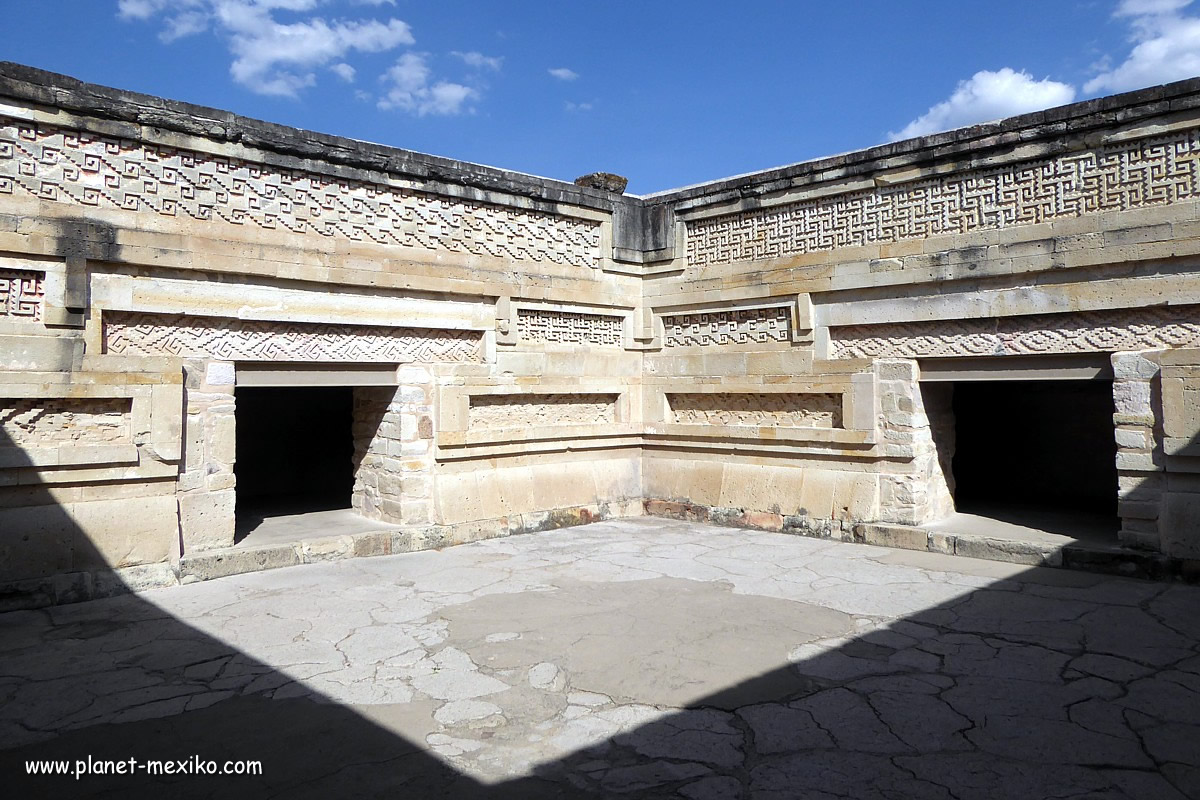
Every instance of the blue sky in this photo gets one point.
(666, 93)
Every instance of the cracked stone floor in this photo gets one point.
(632, 658)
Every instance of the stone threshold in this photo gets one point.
(239, 559)
(1081, 555)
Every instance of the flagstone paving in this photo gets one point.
(633, 658)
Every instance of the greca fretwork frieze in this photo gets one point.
(1118, 177)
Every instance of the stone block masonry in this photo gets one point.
(769, 351)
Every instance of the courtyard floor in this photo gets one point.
(632, 658)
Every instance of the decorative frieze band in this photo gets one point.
(21, 294)
(63, 421)
(1118, 177)
(736, 326)
(139, 334)
(566, 327)
(808, 410)
(1079, 332)
(82, 169)
(526, 410)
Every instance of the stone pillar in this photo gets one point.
(206, 481)
(914, 488)
(393, 453)
(1137, 421)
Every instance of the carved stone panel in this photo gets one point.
(534, 410)
(50, 422)
(21, 294)
(84, 169)
(138, 334)
(1118, 177)
(808, 410)
(566, 327)
(736, 326)
(1080, 332)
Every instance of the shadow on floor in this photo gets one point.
(1050, 684)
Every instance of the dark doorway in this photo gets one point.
(294, 451)
(1028, 449)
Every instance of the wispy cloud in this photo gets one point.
(987, 96)
(277, 47)
(1166, 47)
(272, 57)
(564, 74)
(570, 106)
(479, 60)
(407, 87)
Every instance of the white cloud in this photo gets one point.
(578, 106)
(1138, 8)
(343, 71)
(987, 96)
(408, 88)
(184, 23)
(140, 9)
(564, 74)
(1166, 47)
(272, 57)
(479, 60)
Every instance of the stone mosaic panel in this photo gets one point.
(565, 327)
(21, 294)
(1080, 332)
(1117, 177)
(807, 410)
(83, 169)
(48, 422)
(736, 326)
(526, 410)
(137, 334)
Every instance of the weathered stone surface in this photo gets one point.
(767, 352)
(669, 659)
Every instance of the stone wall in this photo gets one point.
(527, 353)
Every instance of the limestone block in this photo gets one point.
(744, 486)
(415, 512)
(856, 497)
(1132, 438)
(562, 485)
(1132, 398)
(458, 498)
(658, 475)
(42, 353)
(515, 485)
(35, 541)
(222, 438)
(1134, 366)
(786, 486)
(1181, 406)
(206, 520)
(698, 481)
(904, 537)
(110, 583)
(219, 373)
(107, 535)
(1179, 525)
(816, 496)
(491, 500)
(221, 563)
(166, 425)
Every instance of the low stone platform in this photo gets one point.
(630, 658)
